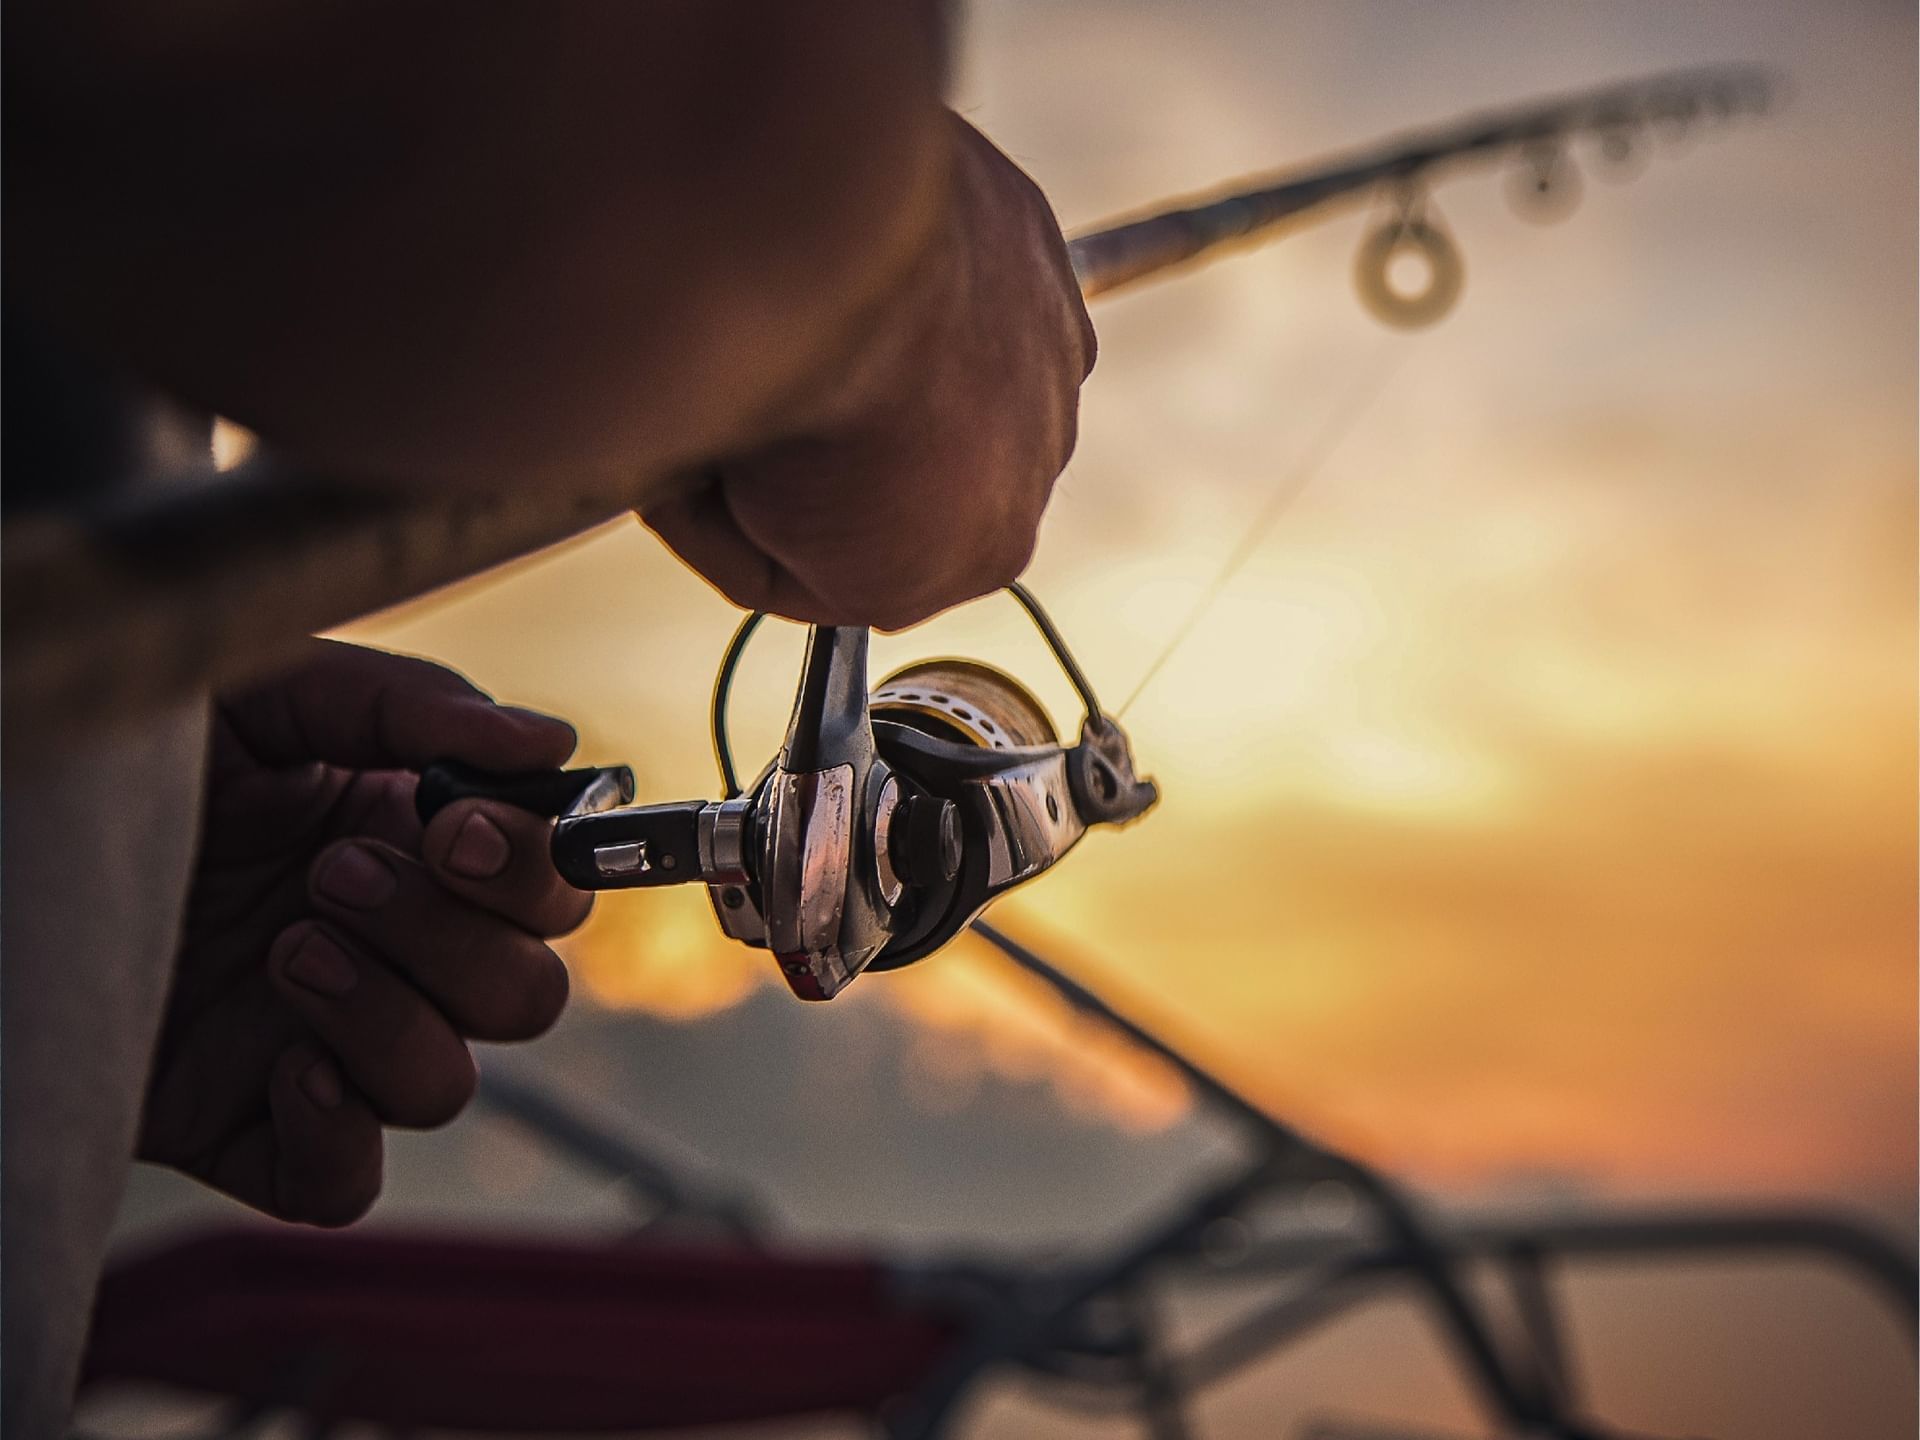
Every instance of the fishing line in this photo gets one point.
(1339, 424)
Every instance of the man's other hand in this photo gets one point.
(916, 478)
(338, 955)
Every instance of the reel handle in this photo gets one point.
(638, 848)
(552, 793)
(635, 848)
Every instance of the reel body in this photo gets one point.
(885, 825)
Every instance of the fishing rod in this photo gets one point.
(1625, 119)
(896, 811)
(117, 608)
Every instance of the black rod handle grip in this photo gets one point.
(542, 792)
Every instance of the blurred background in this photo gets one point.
(1539, 795)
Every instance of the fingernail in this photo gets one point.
(355, 878)
(480, 851)
(321, 1082)
(321, 966)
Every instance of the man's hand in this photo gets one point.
(337, 955)
(588, 250)
(918, 478)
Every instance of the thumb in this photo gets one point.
(370, 710)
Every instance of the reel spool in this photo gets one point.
(963, 701)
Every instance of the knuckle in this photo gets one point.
(438, 1099)
(931, 592)
(526, 1000)
(570, 909)
(343, 1204)
(544, 997)
(1065, 442)
(1012, 549)
(900, 610)
(751, 580)
(868, 599)
(748, 592)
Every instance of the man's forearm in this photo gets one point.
(476, 243)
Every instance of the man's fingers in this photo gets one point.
(490, 977)
(369, 710)
(192, 1100)
(395, 1047)
(700, 528)
(500, 858)
(330, 1156)
(919, 480)
(318, 1158)
(755, 544)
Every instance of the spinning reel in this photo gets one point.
(887, 822)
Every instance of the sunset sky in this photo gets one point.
(1540, 796)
